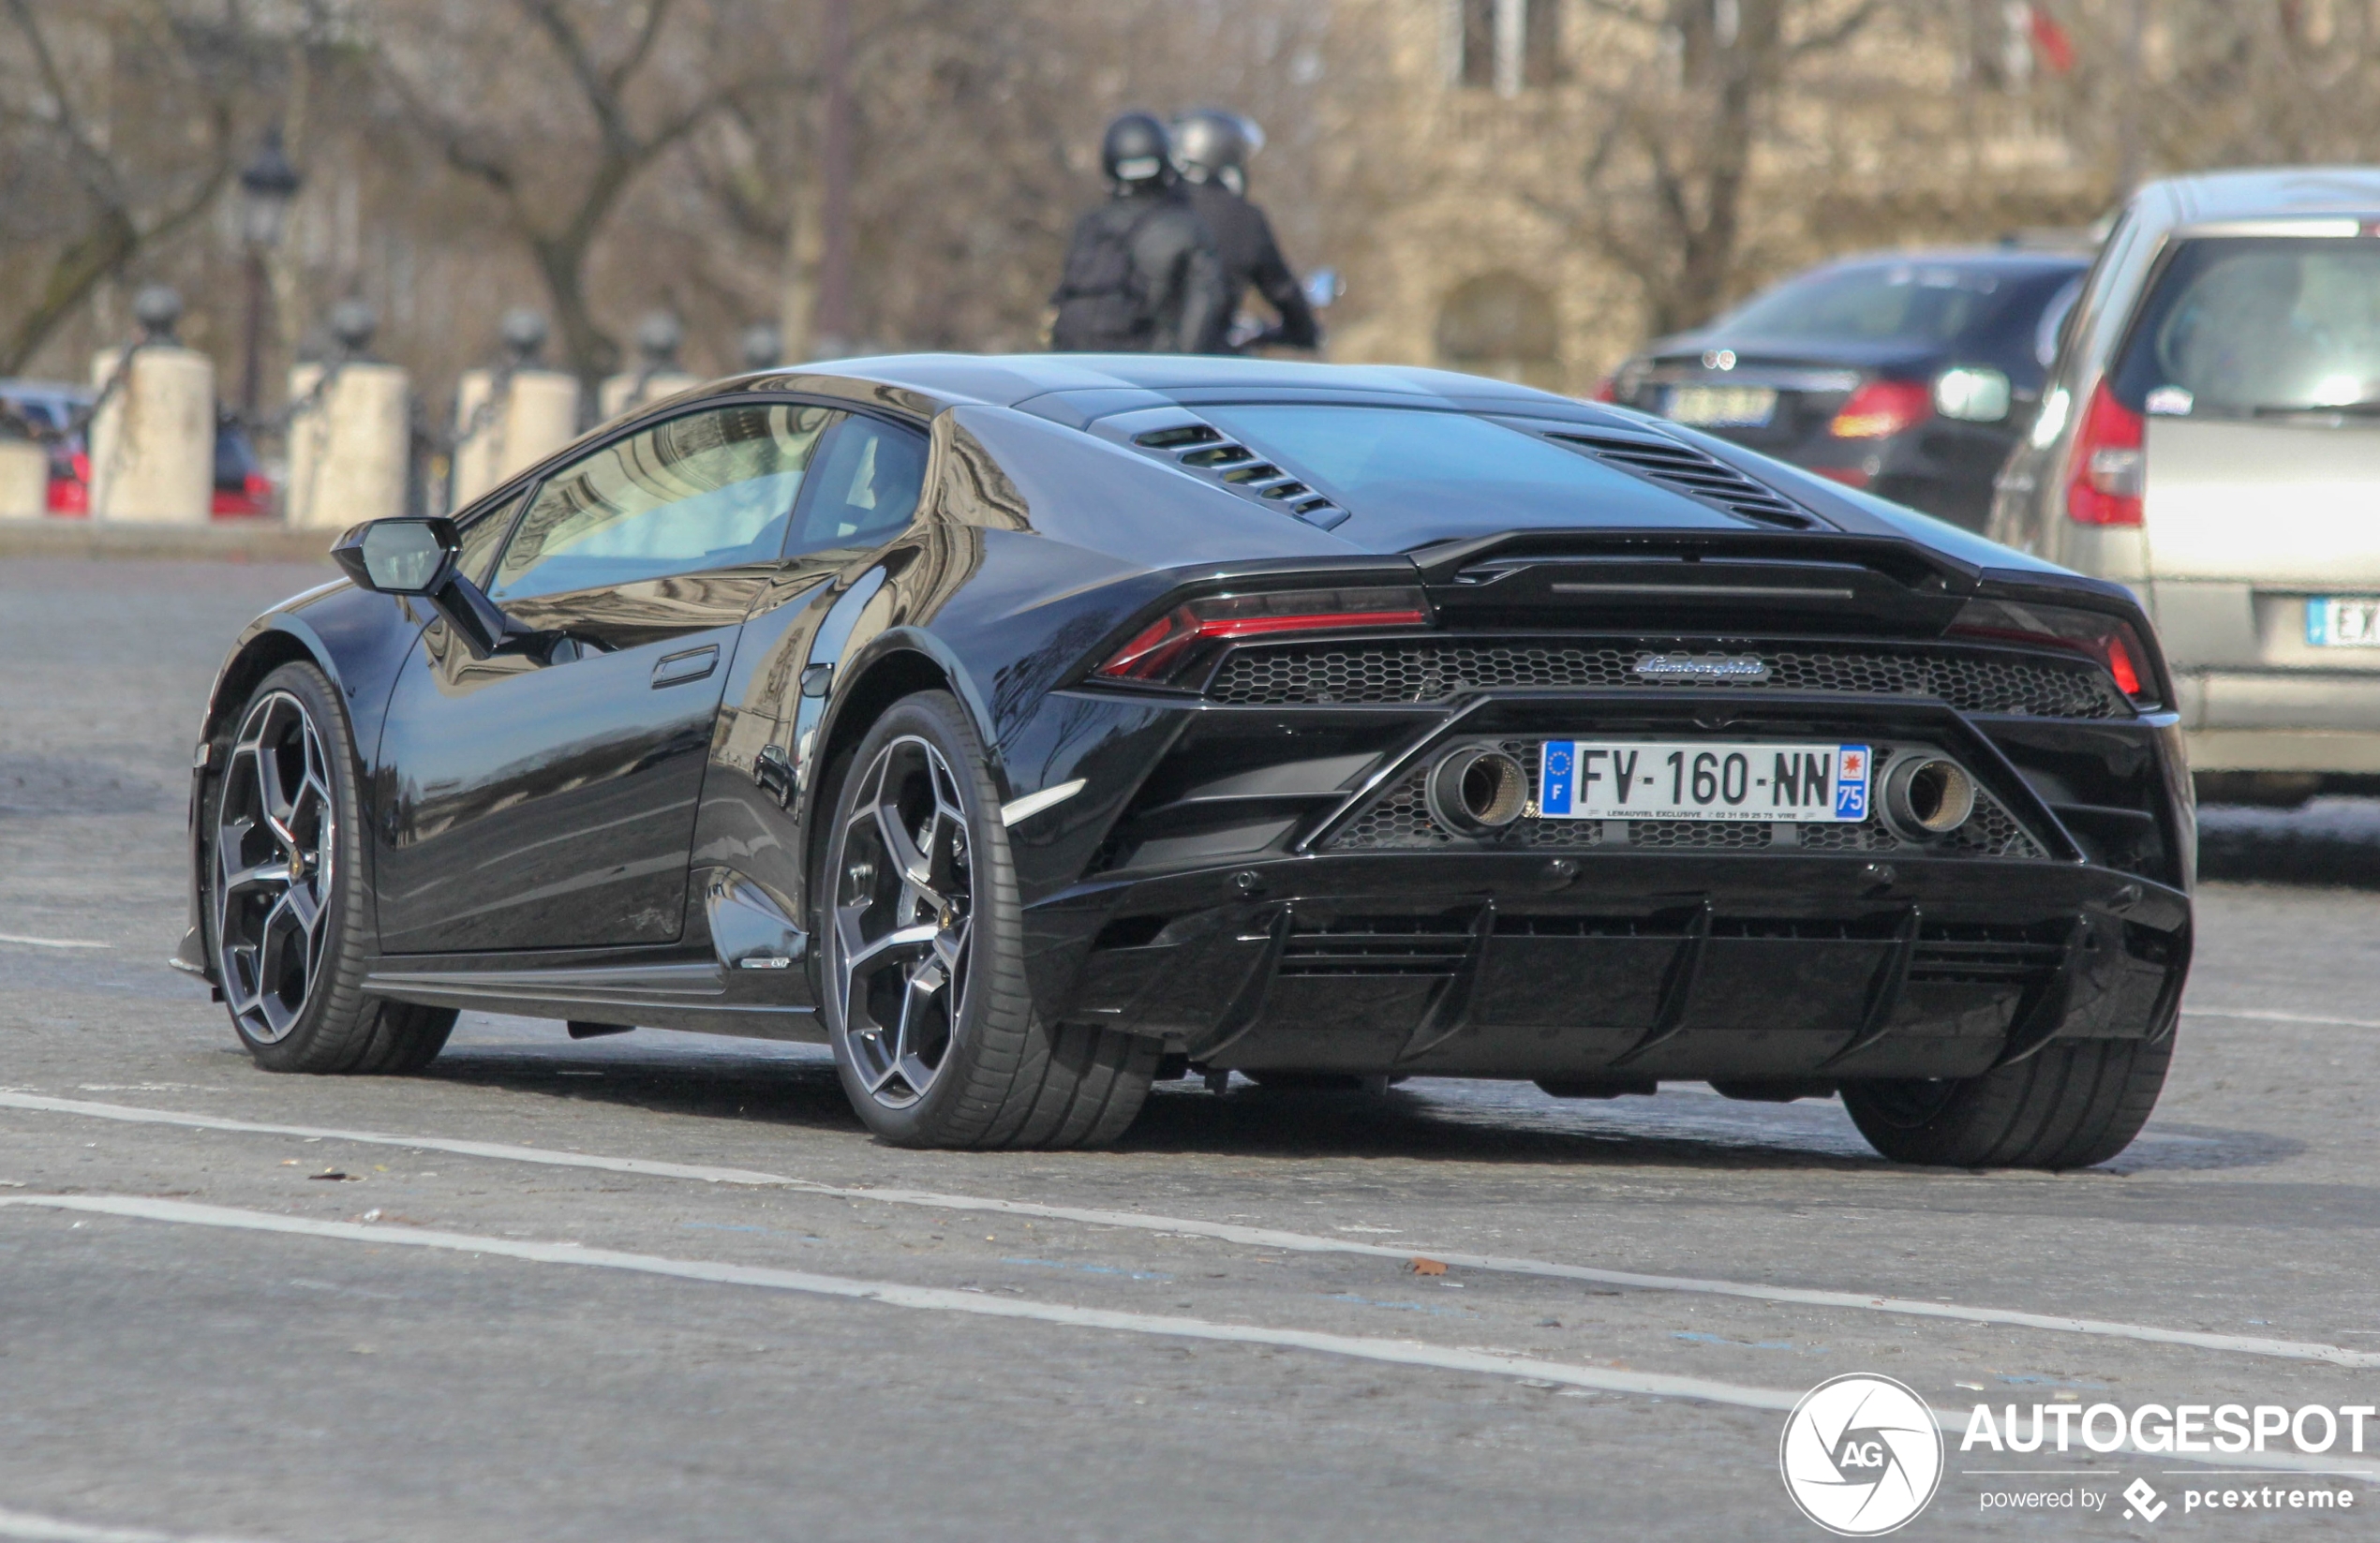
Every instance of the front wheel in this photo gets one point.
(285, 890)
(2066, 1107)
(923, 978)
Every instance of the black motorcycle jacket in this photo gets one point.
(1249, 255)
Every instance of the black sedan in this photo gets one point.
(1032, 729)
(1910, 375)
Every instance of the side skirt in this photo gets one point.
(692, 996)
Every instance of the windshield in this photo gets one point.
(1397, 463)
(1923, 301)
(2245, 324)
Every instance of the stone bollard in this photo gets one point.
(657, 338)
(537, 414)
(627, 393)
(25, 480)
(350, 439)
(347, 450)
(153, 440)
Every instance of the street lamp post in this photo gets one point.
(268, 186)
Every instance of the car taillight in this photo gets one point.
(1882, 408)
(1160, 649)
(1606, 390)
(2112, 464)
(70, 483)
(2110, 640)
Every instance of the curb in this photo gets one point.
(248, 540)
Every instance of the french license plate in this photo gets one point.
(1612, 779)
(1720, 407)
(2342, 621)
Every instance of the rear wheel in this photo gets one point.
(933, 1029)
(2067, 1106)
(285, 886)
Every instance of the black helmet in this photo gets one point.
(1212, 146)
(1135, 151)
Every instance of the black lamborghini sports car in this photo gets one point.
(1030, 729)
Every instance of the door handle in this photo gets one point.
(694, 665)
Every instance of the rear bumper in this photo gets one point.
(1663, 965)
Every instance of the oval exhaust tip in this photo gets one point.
(1474, 790)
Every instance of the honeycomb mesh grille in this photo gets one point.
(1399, 820)
(1363, 672)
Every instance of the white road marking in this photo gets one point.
(1261, 1238)
(50, 943)
(938, 1300)
(49, 1529)
(2268, 1014)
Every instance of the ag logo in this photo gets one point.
(1861, 1455)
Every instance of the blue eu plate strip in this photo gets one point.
(1557, 783)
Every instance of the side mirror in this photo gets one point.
(417, 559)
(400, 556)
(1972, 395)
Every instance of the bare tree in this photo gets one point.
(1665, 181)
(86, 198)
(557, 182)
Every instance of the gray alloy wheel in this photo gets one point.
(285, 890)
(903, 920)
(276, 850)
(921, 955)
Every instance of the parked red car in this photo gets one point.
(241, 490)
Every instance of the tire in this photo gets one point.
(285, 889)
(2068, 1106)
(922, 975)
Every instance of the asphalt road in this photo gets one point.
(662, 1287)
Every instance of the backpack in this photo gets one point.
(1102, 303)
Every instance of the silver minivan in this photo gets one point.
(2210, 436)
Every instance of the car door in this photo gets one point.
(545, 797)
(863, 496)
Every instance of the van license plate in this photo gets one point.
(2342, 621)
(1613, 779)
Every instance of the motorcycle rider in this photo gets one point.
(1141, 275)
(1211, 147)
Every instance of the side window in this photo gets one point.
(707, 490)
(869, 485)
(481, 538)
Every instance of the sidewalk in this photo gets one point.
(224, 541)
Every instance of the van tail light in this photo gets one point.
(2111, 641)
(2112, 464)
(1167, 645)
(1882, 409)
